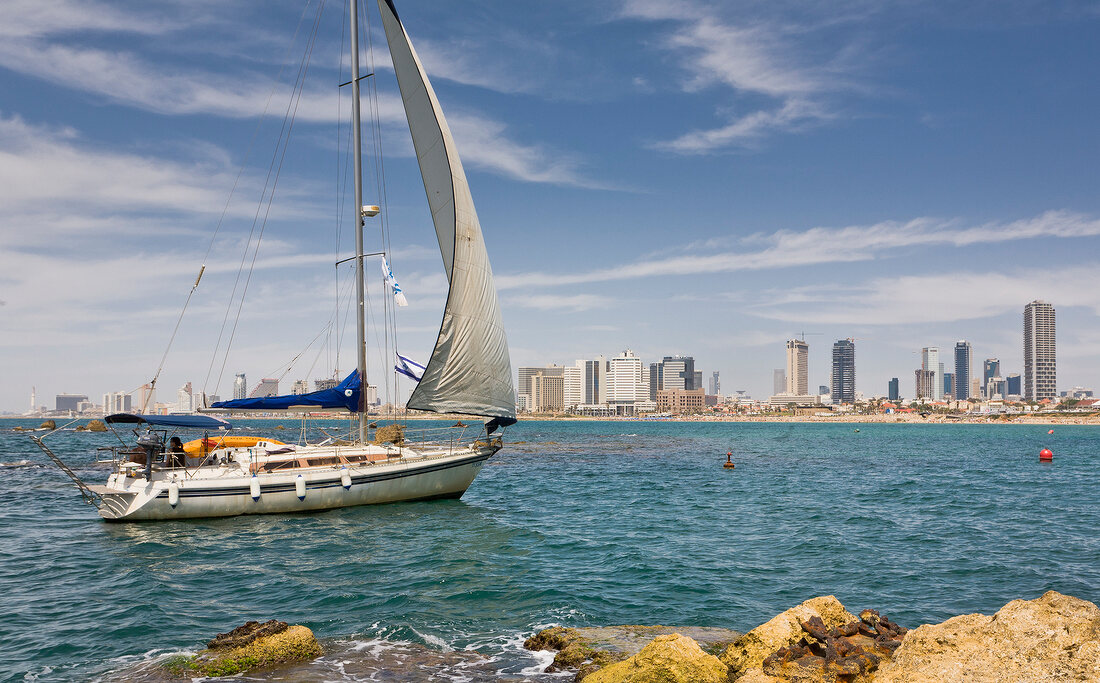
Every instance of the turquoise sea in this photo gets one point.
(584, 523)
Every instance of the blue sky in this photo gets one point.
(704, 178)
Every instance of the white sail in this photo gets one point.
(469, 371)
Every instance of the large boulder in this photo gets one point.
(1053, 638)
(97, 426)
(749, 651)
(667, 659)
(251, 646)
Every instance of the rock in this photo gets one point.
(574, 651)
(748, 651)
(251, 646)
(48, 424)
(849, 652)
(587, 649)
(1053, 638)
(668, 659)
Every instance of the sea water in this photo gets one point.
(574, 523)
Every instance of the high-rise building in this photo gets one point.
(1013, 385)
(779, 381)
(525, 375)
(925, 381)
(627, 381)
(185, 399)
(822, 390)
(1040, 362)
(117, 402)
(963, 364)
(930, 362)
(547, 392)
(844, 371)
(147, 398)
(68, 402)
(240, 387)
(996, 388)
(300, 387)
(949, 384)
(571, 393)
(798, 353)
(585, 383)
(990, 368)
(266, 387)
(893, 391)
(715, 384)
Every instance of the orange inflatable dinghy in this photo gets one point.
(204, 446)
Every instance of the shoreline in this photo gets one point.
(944, 419)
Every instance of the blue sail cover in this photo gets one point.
(197, 421)
(344, 395)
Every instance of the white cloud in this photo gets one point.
(788, 249)
(921, 299)
(550, 302)
(752, 57)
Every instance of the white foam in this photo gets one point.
(434, 640)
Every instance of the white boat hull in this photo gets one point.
(228, 491)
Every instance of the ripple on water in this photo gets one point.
(587, 523)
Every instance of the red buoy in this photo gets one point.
(1050, 432)
(1046, 455)
(728, 464)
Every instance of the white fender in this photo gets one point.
(254, 488)
(300, 487)
(173, 494)
(345, 478)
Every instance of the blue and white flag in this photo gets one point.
(409, 367)
(398, 295)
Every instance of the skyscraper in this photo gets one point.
(240, 387)
(990, 368)
(1013, 385)
(844, 371)
(715, 384)
(266, 387)
(626, 379)
(893, 390)
(949, 384)
(1040, 362)
(930, 362)
(963, 358)
(798, 353)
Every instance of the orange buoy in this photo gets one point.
(1046, 455)
(1050, 432)
(728, 464)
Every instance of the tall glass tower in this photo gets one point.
(963, 357)
(844, 371)
(1040, 361)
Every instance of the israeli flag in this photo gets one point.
(398, 295)
(409, 367)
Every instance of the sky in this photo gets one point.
(674, 177)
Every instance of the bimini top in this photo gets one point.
(198, 421)
(344, 395)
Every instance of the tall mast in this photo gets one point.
(360, 289)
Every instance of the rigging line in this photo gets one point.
(299, 83)
(380, 183)
(295, 101)
(240, 172)
(340, 189)
(290, 364)
(270, 183)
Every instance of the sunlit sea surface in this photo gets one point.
(580, 523)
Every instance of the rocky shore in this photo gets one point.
(1052, 638)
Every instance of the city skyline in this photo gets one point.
(887, 172)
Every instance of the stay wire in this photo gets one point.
(288, 126)
(225, 211)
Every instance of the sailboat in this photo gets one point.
(469, 373)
